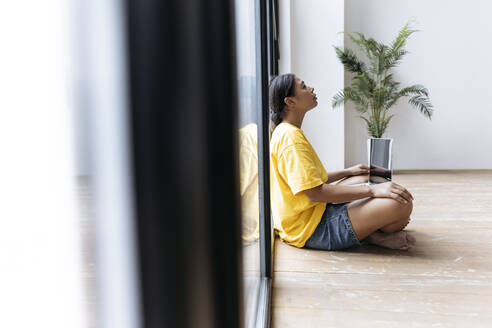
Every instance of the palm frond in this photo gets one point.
(402, 37)
(369, 46)
(347, 94)
(362, 108)
(371, 127)
(389, 82)
(350, 61)
(354, 95)
(394, 58)
(380, 59)
(380, 96)
(385, 122)
(415, 89)
(364, 84)
(423, 104)
(392, 100)
(338, 99)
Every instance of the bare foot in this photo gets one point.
(396, 240)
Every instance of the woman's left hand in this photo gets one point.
(358, 170)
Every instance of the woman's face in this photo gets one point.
(304, 96)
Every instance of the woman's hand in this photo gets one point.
(358, 170)
(391, 190)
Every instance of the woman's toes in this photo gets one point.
(402, 236)
(403, 241)
(411, 239)
(395, 240)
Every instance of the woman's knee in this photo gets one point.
(400, 210)
(396, 226)
(407, 209)
(398, 215)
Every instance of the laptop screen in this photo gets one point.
(379, 160)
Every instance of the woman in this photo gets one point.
(310, 211)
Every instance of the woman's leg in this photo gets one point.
(371, 214)
(397, 226)
(380, 220)
(358, 179)
(392, 226)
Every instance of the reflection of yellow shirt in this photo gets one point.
(248, 178)
(294, 167)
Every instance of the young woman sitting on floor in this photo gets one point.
(308, 210)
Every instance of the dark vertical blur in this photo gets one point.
(274, 48)
(183, 112)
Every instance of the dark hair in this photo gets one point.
(281, 86)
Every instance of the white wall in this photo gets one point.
(451, 57)
(308, 31)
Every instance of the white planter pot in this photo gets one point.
(379, 157)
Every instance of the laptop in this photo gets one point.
(379, 157)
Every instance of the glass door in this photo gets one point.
(256, 57)
(248, 155)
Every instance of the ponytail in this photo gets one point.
(281, 87)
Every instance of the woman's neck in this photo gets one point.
(294, 118)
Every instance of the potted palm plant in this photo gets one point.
(373, 89)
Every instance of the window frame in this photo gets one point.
(267, 55)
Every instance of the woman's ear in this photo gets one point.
(289, 101)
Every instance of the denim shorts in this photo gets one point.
(334, 230)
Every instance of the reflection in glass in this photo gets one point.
(248, 166)
(248, 154)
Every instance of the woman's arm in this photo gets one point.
(351, 171)
(328, 193)
(337, 175)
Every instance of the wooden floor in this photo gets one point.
(444, 281)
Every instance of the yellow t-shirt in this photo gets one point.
(294, 167)
(248, 178)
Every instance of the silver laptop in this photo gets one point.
(379, 157)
